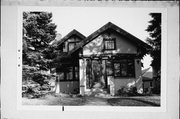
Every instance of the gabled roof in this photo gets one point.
(111, 26)
(73, 32)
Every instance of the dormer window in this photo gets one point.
(109, 44)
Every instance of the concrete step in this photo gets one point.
(97, 92)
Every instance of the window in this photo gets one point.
(109, 69)
(69, 74)
(109, 44)
(124, 68)
(61, 76)
(76, 72)
(71, 45)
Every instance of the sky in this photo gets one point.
(88, 19)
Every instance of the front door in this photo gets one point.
(96, 74)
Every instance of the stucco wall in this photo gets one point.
(67, 86)
(117, 83)
(122, 45)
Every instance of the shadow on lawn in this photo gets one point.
(130, 102)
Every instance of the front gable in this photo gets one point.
(110, 42)
(125, 43)
(71, 40)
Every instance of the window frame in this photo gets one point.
(68, 72)
(127, 67)
(109, 39)
(73, 73)
(72, 42)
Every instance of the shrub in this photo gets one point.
(39, 78)
(131, 91)
(45, 87)
(76, 91)
(30, 90)
(122, 91)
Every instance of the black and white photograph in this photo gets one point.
(89, 59)
(91, 56)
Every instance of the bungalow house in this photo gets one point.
(108, 59)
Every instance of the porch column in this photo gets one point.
(138, 75)
(82, 75)
(111, 84)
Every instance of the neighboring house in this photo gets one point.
(109, 58)
(68, 68)
(147, 78)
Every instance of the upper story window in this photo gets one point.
(109, 44)
(71, 45)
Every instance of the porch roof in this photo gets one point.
(145, 47)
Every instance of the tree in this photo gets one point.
(154, 40)
(38, 32)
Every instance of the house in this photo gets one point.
(147, 78)
(68, 68)
(109, 59)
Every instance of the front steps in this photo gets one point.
(97, 92)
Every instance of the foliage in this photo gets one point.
(38, 32)
(39, 28)
(154, 40)
(38, 53)
(131, 91)
(28, 72)
(123, 91)
(39, 78)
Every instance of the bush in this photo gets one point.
(39, 78)
(32, 93)
(124, 91)
(30, 90)
(45, 87)
(76, 91)
(132, 91)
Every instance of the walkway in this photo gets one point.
(97, 97)
(92, 101)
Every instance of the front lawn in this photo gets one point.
(135, 101)
(74, 100)
(52, 99)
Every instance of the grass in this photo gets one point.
(66, 100)
(134, 101)
(52, 99)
